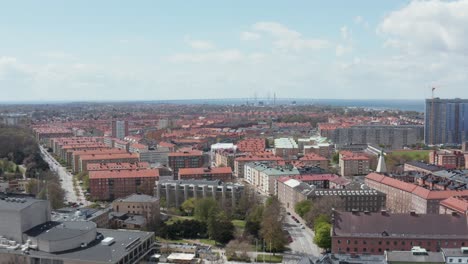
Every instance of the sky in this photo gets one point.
(157, 50)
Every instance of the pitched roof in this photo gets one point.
(400, 225)
(146, 173)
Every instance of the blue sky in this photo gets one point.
(117, 50)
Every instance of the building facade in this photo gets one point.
(446, 121)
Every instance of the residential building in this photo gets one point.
(251, 145)
(375, 233)
(117, 166)
(313, 159)
(263, 175)
(185, 159)
(119, 129)
(84, 160)
(391, 136)
(449, 159)
(446, 121)
(175, 192)
(209, 173)
(239, 162)
(113, 184)
(352, 163)
(156, 156)
(286, 148)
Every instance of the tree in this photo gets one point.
(204, 208)
(323, 206)
(272, 226)
(188, 206)
(220, 228)
(303, 207)
(55, 194)
(253, 222)
(322, 235)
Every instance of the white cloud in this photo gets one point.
(57, 55)
(341, 50)
(214, 56)
(345, 34)
(288, 39)
(359, 20)
(248, 35)
(428, 26)
(199, 44)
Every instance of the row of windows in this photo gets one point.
(396, 243)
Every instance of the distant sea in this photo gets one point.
(404, 105)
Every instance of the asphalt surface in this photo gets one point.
(66, 179)
(302, 243)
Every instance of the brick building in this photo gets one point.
(117, 166)
(113, 184)
(454, 204)
(209, 173)
(421, 196)
(240, 162)
(84, 160)
(375, 233)
(313, 159)
(449, 159)
(185, 159)
(352, 163)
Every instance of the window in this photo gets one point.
(355, 242)
(380, 250)
(380, 242)
(339, 241)
(364, 242)
(388, 242)
(347, 249)
(347, 241)
(395, 243)
(364, 249)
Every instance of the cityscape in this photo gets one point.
(276, 151)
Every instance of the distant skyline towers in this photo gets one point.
(119, 128)
(446, 121)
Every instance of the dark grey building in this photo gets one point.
(394, 137)
(446, 121)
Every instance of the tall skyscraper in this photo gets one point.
(446, 121)
(119, 129)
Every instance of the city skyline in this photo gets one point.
(83, 51)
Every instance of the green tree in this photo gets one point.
(303, 207)
(204, 208)
(188, 206)
(220, 228)
(254, 220)
(322, 235)
(272, 226)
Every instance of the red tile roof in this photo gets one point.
(117, 166)
(109, 156)
(457, 203)
(145, 173)
(213, 170)
(312, 157)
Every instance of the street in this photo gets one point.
(66, 179)
(302, 238)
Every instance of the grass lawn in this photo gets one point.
(176, 218)
(269, 258)
(412, 154)
(239, 224)
(210, 242)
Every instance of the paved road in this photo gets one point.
(66, 179)
(302, 238)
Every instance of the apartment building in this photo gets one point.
(239, 162)
(84, 160)
(286, 148)
(313, 159)
(449, 159)
(113, 184)
(209, 173)
(352, 163)
(185, 159)
(117, 166)
(263, 175)
(423, 167)
(75, 156)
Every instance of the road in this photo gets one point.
(302, 238)
(66, 179)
